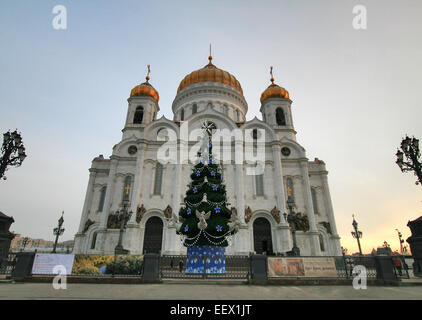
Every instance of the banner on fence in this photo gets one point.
(302, 267)
(103, 264)
(45, 263)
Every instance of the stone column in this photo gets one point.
(330, 214)
(136, 191)
(313, 231)
(283, 235)
(279, 183)
(109, 193)
(239, 191)
(88, 199)
(241, 243)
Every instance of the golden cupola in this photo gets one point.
(145, 89)
(274, 90)
(210, 73)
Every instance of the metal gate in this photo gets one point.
(174, 267)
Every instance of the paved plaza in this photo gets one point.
(204, 291)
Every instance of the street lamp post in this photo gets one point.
(290, 218)
(410, 149)
(24, 243)
(356, 234)
(58, 231)
(401, 241)
(124, 217)
(12, 152)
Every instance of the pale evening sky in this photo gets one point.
(355, 93)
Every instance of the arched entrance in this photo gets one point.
(262, 238)
(153, 237)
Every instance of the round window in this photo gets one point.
(285, 151)
(132, 150)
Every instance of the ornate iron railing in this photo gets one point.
(7, 265)
(174, 267)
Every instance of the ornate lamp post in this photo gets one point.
(24, 243)
(401, 241)
(356, 234)
(290, 218)
(124, 217)
(12, 152)
(410, 149)
(58, 231)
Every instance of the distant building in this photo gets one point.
(39, 245)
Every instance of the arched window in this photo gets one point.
(158, 178)
(289, 186)
(255, 134)
(321, 243)
(102, 198)
(314, 200)
(237, 115)
(259, 183)
(225, 110)
(139, 115)
(280, 118)
(127, 187)
(94, 240)
(194, 109)
(182, 114)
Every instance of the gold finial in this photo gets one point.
(271, 73)
(210, 57)
(62, 213)
(149, 70)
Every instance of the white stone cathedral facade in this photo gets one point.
(155, 191)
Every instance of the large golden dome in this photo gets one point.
(145, 89)
(274, 90)
(210, 73)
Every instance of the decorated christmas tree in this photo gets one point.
(206, 223)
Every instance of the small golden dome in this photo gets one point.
(274, 90)
(210, 73)
(145, 89)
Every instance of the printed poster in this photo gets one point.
(44, 263)
(318, 267)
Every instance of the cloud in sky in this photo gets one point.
(355, 93)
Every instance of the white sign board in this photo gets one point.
(44, 263)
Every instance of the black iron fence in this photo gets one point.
(231, 267)
(345, 270)
(7, 264)
(401, 268)
(176, 267)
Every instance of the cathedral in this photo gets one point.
(154, 192)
